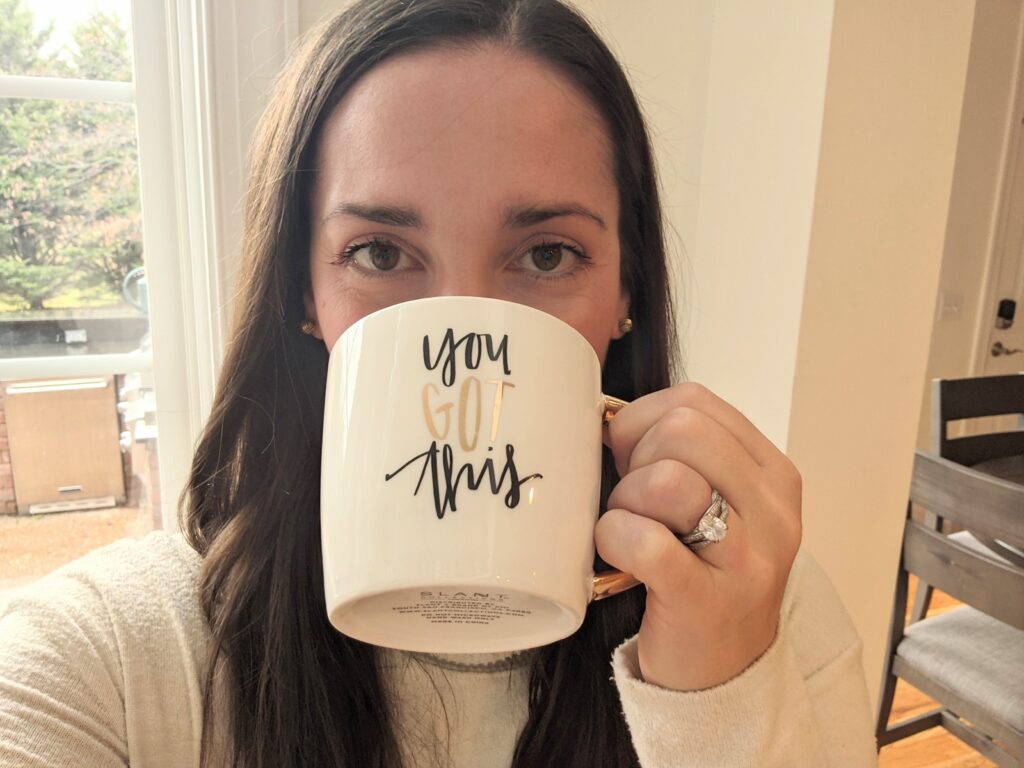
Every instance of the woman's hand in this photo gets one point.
(712, 612)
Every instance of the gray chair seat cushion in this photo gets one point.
(978, 657)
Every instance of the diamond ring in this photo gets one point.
(712, 528)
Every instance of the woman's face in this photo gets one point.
(466, 173)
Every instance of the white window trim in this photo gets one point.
(202, 70)
(75, 365)
(72, 89)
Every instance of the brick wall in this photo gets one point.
(7, 506)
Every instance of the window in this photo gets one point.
(78, 452)
(200, 73)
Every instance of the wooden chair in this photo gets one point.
(970, 659)
(954, 399)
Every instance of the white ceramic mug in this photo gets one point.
(461, 477)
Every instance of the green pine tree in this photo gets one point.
(69, 212)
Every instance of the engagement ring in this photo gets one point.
(712, 527)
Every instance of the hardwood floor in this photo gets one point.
(935, 748)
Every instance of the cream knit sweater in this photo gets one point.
(102, 664)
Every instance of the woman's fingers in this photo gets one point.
(633, 422)
(647, 549)
(679, 454)
(667, 491)
(653, 553)
(692, 438)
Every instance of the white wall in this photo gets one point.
(734, 92)
(758, 163)
(668, 64)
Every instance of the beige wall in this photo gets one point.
(892, 113)
(807, 158)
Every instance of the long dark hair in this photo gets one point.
(287, 688)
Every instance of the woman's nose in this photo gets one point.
(466, 282)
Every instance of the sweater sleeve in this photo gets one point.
(803, 703)
(102, 662)
(61, 686)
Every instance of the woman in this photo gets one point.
(430, 147)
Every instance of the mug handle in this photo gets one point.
(612, 582)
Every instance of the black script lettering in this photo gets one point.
(501, 351)
(512, 497)
(446, 479)
(473, 347)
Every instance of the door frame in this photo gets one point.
(1013, 146)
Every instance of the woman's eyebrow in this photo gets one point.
(516, 217)
(379, 214)
(528, 215)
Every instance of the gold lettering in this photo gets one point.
(428, 416)
(463, 403)
(496, 410)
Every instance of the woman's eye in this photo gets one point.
(551, 258)
(376, 256)
(546, 258)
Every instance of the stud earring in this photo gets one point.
(626, 325)
(308, 327)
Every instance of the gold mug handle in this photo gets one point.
(612, 582)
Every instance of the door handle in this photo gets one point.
(998, 349)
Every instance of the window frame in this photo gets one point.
(202, 71)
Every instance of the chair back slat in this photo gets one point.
(974, 448)
(979, 397)
(979, 581)
(975, 398)
(974, 500)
